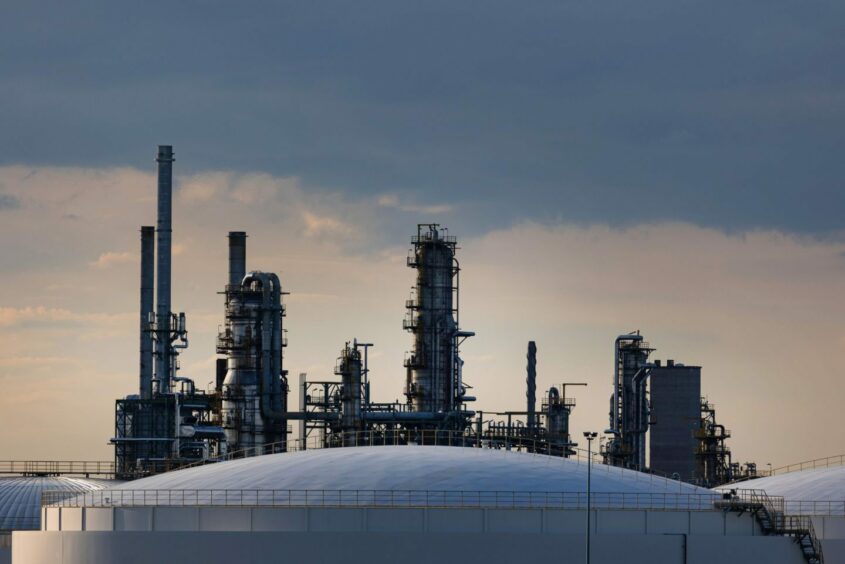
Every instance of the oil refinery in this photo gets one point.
(267, 466)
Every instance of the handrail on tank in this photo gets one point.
(381, 498)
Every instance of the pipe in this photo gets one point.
(638, 383)
(237, 257)
(147, 304)
(163, 243)
(280, 399)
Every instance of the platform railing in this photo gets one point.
(381, 498)
(57, 467)
(826, 462)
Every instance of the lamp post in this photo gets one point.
(589, 436)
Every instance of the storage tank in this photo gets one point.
(416, 503)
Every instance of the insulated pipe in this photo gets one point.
(163, 242)
(639, 402)
(237, 257)
(147, 295)
(615, 406)
(279, 403)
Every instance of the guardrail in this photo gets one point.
(56, 467)
(829, 508)
(380, 498)
(417, 438)
(827, 462)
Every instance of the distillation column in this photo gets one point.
(350, 370)
(254, 390)
(628, 404)
(433, 367)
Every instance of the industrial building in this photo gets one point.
(675, 415)
(219, 474)
(171, 423)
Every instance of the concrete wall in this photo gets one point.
(390, 535)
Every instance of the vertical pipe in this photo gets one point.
(531, 384)
(147, 292)
(164, 158)
(237, 257)
(589, 492)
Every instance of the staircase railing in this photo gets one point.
(769, 512)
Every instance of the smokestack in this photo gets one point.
(531, 382)
(237, 257)
(147, 291)
(163, 241)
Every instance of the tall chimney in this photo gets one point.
(237, 257)
(147, 291)
(163, 241)
(531, 384)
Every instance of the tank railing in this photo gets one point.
(827, 462)
(809, 507)
(431, 437)
(56, 467)
(382, 498)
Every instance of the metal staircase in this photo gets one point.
(768, 510)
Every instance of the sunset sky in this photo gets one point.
(605, 167)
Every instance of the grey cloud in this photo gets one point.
(609, 112)
(9, 202)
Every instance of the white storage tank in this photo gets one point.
(408, 504)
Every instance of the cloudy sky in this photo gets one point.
(673, 167)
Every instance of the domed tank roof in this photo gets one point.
(820, 490)
(20, 497)
(411, 468)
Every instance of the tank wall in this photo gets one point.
(387, 544)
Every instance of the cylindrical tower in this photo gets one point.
(557, 416)
(350, 369)
(240, 341)
(254, 389)
(531, 385)
(237, 257)
(147, 299)
(432, 366)
(630, 361)
(164, 350)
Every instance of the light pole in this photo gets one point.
(589, 436)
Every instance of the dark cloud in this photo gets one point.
(725, 115)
